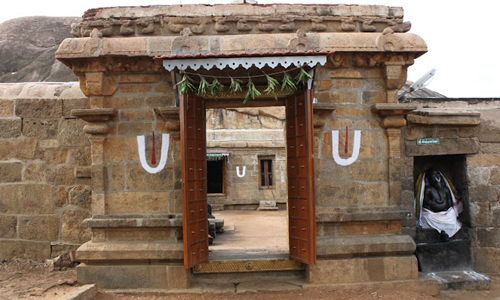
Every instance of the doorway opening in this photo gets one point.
(255, 174)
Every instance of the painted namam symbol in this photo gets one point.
(238, 171)
(355, 150)
(141, 143)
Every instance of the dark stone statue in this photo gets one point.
(437, 196)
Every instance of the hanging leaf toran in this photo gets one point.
(204, 88)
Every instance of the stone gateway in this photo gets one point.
(264, 107)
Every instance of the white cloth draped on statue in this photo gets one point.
(441, 221)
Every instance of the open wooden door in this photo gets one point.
(194, 180)
(301, 208)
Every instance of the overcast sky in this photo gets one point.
(462, 36)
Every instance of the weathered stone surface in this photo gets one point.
(483, 160)
(18, 249)
(80, 196)
(72, 229)
(71, 133)
(70, 104)
(139, 179)
(60, 175)
(39, 228)
(486, 260)
(55, 156)
(6, 108)
(445, 147)
(432, 116)
(371, 244)
(144, 202)
(39, 108)
(8, 227)
(26, 199)
(340, 193)
(60, 196)
(369, 171)
(120, 149)
(11, 171)
(40, 128)
(80, 156)
(10, 128)
(136, 276)
(484, 193)
(488, 237)
(363, 269)
(136, 128)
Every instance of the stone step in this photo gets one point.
(461, 280)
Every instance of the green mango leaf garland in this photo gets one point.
(252, 92)
(272, 85)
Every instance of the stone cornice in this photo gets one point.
(169, 20)
(96, 46)
(441, 116)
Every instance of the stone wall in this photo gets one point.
(45, 174)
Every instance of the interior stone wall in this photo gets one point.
(249, 134)
(45, 176)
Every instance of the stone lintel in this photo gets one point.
(365, 245)
(445, 117)
(326, 215)
(106, 221)
(445, 147)
(130, 251)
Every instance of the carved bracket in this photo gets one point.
(171, 117)
(98, 84)
(97, 118)
(393, 113)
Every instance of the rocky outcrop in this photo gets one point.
(28, 46)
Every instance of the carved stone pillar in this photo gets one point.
(393, 119)
(96, 128)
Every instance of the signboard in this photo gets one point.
(428, 141)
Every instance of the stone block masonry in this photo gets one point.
(44, 190)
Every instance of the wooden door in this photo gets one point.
(194, 180)
(301, 208)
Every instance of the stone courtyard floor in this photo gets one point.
(245, 236)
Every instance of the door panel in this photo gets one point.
(302, 218)
(194, 181)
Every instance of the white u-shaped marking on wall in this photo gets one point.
(355, 150)
(165, 142)
(238, 171)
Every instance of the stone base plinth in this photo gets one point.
(108, 252)
(363, 269)
(144, 276)
(267, 205)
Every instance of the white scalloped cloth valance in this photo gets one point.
(245, 62)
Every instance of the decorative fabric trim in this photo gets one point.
(245, 62)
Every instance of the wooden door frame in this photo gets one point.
(311, 230)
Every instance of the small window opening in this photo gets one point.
(215, 176)
(266, 172)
